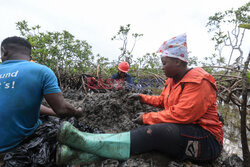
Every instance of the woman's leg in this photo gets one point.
(176, 140)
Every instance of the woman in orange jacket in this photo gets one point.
(189, 125)
(187, 128)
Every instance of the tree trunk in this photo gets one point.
(243, 113)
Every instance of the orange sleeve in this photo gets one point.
(193, 103)
(156, 101)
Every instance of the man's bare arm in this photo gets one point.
(46, 111)
(60, 106)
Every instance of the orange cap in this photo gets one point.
(123, 67)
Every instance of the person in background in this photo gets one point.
(188, 128)
(23, 85)
(122, 74)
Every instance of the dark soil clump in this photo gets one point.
(113, 111)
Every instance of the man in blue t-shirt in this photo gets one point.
(23, 85)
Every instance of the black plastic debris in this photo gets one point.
(39, 149)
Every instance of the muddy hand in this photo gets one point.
(79, 113)
(138, 120)
(134, 96)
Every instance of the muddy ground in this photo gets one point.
(111, 112)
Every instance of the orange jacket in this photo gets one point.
(195, 103)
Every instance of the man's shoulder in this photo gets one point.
(38, 66)
(115, 76)
(24, 65)
(128, 75)
(36, 70)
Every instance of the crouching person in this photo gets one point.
(187, 129)
(23, 85)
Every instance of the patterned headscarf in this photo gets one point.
(175, 47)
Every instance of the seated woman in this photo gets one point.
(187, 128)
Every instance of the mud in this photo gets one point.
(114, 112)
(109, 112)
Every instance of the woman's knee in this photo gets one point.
(166, 131)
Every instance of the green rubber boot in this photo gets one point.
(113, 146)
(67, 156)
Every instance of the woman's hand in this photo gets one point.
(139, 118)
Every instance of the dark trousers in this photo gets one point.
(1, 158)
(178, 141)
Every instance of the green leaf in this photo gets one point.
(248, 76)
(246, 26)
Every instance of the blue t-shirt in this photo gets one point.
(22, 87)
(129, 79)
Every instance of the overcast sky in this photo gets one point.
(96, 21)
